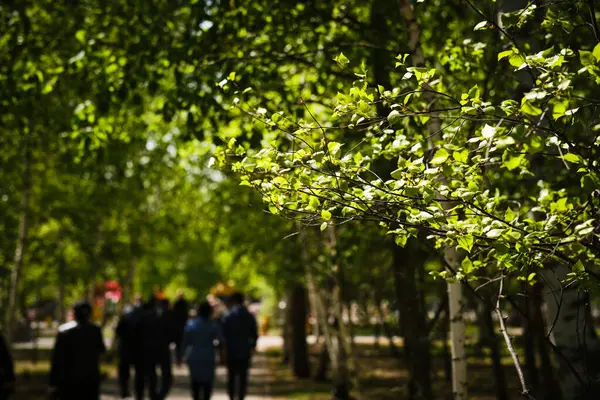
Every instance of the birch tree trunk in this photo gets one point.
(21, 246)
(573, 334)
(455, 296)
(331, 344)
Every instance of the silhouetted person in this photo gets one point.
(7, 371)
(75, 366)
(165, 316)
(127, 347)
(240, 332)
(152, 335)
(199, 346)
(181, 310)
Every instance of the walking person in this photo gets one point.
(240, 333)
(152, 336)
(7, 371)
(128, 348)
(75, 362)
(181, 310)
(198, 344)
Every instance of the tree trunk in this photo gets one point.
(347, 366)
(457, 324)
(457, 335)
(62, 277)
(445, 328)
(21, 246)
(529, 336)
(339, 375)
(94, 256)
(287, 332)
(321, 375)
(573, 335)
(299, 353)
(416, 342)
(550, 389)
(387, 329)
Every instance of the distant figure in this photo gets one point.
(165, 317)
(181, 311)
(199, 346)
(240, 332)
(75, 363)
(127, 347)
(7, 371)
(152, 334)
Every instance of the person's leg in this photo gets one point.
(166, 374)
(208, 388)
(244, 366)
(195, 390)
(152, 380)
(231, 378)
(140, 379)
(178, 348)
(124, 375)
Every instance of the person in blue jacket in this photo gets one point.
(200, 338)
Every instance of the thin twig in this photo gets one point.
(509, 345)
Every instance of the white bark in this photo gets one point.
(20, 248)
(457, 323)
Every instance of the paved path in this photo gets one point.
(258, 390)
(260, 379)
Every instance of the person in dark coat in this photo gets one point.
(240, 332)
(152, 333)
(7, 371)
(200, 355)
(127, 348)
(181, 310)
(75, 361)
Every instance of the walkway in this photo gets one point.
(260, 379)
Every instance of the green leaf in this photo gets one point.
(572, 158)
(325, 215)
(494, 233)
(516, 60)
(509, 215)
(461, 156)
(323, 226)
(394, 117)
(342, 60)
(504, 54)
(280, 180)
(401, 239)
(273, 209)
(397, 174)
(559, 109)
(467, 265)
(578, 267)
(596, 52)
(465, 242)
(313, 203)
(527, 107)
(512, 162)
(334, 148)
(440, 157)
